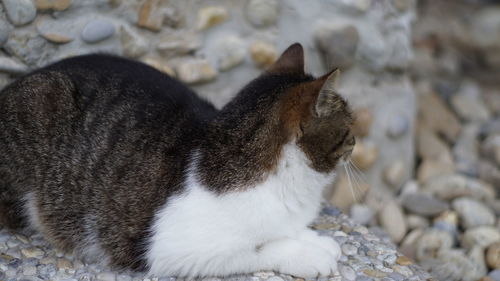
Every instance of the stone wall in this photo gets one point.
(218, 46)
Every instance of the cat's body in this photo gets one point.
(113, 160)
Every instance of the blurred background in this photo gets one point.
(422, 76)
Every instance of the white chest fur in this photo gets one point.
(199, 233)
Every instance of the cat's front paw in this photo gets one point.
(302, 259)
(325, 242)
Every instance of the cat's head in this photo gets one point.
(317, 118)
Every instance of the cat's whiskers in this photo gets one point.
(348, 175)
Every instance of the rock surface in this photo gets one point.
(364, 257)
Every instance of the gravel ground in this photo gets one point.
(365, 257)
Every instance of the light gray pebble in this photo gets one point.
(106, 276)
(275, 278)
(29, 270)
(349, 249)
(363, 278)
(396, 276)
(398, 126)
(97, 30)
(20, 12)
(12, 243)
(347, 272)
(495, 275)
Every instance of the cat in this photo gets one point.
(117, 162)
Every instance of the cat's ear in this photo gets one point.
(327, 100)
(291, 61)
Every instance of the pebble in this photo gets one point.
(20, 12)
(394, 175)
(11, 66)
(196, 71)
(349, 249)
(29, 270)
(133, 44)
(347, 272)
(375, 273)
(415, 221)
(231, 52)
(56, 5)
(491, 148)
(361, 213)
(449, 187)
(482, 236)
(150, 16)
(263, 54)
(363, 122)
(468, 105)
(262, 13)
(398, 126)
(32, 252)
(338, 44)
(392, 219)
(423, 204)
(364, 155)
(493, 256)
(175, 45)
(472, 213)
(106, 276)
(97, 30)
(437, 117)
(63, 263)
(4, 32)
(494, 274)
(432, 243)
(402, 260)
(211, 16)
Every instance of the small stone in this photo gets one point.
(4, 32)
(275, 278)
(133, 44)
(493, 256)
(150, 15)
(97, 30)
(472, 213)
(374, 273)
(331, 211)
(29, 270)
(395, 173)
(349, 249)
(231, 52)
(347, 272)
(430, 168)
(262, 13)
(449, 187)
(53, 32)
(432, 243)
(398, 126)
(361, 213)
(362, 122)
(466, 149)
(491, 148)
(211, 16)
(402, 260)
(416, 221)
(431, 147)
(175, 45)
(63, 263)
(20, 12)
(106, 276)
(392, 219)
(364, 155)
(482, 236)
(436, 116)
(423, 204)
(337, 44)
(489, 172)
(494, 274)
(32, 252)
(486, 278)
(468, 104)
(324, 226)
(196, 71)
(56, 5)
(263, 54)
